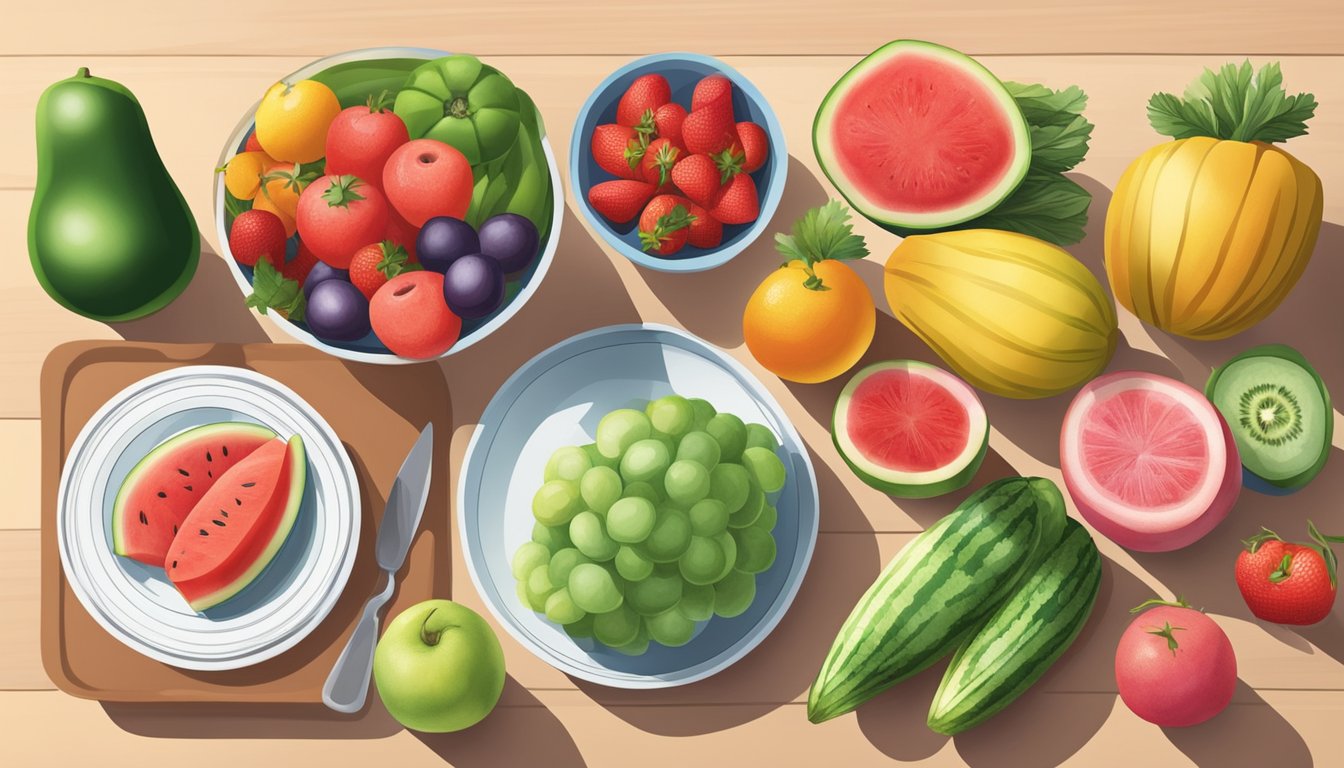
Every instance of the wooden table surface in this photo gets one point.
(197, 66)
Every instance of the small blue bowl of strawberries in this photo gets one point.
(678, 162)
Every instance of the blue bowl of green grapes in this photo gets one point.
(635, 509)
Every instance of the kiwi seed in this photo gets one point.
(1270, 414)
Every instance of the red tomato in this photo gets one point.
(427, 178)
(338, 215)
(1175, 666)
(361, 139)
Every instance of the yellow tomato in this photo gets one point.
(282, 185)
(242, 174)
(263, 203)
(809, 334)
(292, 120)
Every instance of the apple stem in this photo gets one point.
(431, 631)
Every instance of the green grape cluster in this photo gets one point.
(661, 523)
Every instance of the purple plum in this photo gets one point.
(511, 240)
(337, 311)
(320, 272)
(443, 240)
(474, 286)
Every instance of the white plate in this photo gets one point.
(557, 399)
(137, 603)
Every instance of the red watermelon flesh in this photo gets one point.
(907, 422)
(238, 525)
(166, 484)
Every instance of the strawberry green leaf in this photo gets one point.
(394, 260)
(1283, 571)
(1253, 543)
(272, 290)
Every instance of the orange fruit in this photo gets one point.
(293, 118)
(282, 185)
(808, 334)
(263, 203)
(242, 174)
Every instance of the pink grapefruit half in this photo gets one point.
(1149, 461)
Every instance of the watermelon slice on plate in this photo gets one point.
(917, 136)
(238, 525)
(1149, 462)
(910, 429)
(164, 486)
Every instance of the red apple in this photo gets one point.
(427, 178)
(410, 317)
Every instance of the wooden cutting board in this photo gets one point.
(377, 411)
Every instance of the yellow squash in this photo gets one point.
(1206, 235)
(1013, 315)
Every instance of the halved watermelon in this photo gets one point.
(1149, 461)
(917, 136)
(910, 429)
(237, 527)
(164, 486)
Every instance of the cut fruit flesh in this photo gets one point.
(1148, 461)
(910, 429)
(918, 136)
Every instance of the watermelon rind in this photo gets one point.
(1264, 483)
(297, 458)
(914, 221)
(915, 485)
(214, 432)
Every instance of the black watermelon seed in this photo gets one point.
(183, 472)
(239, 502)
(143, 520)
(225, 449)
(208, 473)
(162, 495)
(174, 530)
(174, 564)
(220, 523)
(204, 532)
(224, 513)
(188, 487)
(207, 456)
(248, 485)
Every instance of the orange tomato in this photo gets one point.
(282, 185)
(263, 203)
(293, 118)
(807, 334)
(242, 174)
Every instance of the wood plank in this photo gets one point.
(20, 474)
(755, 26)
(782, 667)
(707, 304)
(1292, 729)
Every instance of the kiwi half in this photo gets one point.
(1280, 415)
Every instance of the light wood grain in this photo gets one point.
(788, 27)
(564, 729)
(19, 470)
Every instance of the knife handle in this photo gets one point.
(347, 686)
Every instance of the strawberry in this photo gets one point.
(713, 89)
(667, 121)
(645, 93)
(709, 130)
(1288, 583)
(698, 178)
(705, 230)
(659, 159)
(613, 146)
(373, 265)
(663, 226)
(737, 202)
(297, 268)
(256, 233)
(621, 200)
(753, 144)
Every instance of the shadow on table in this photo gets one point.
(580, 292)
(1248, 732)
(709, 304)
(520, 732)
(210, 309)
(251, 721)
(782, 667)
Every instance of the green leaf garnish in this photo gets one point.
(822, 233)
(395, 260)
(1046, 205)
(272, 290)
(1235, 103)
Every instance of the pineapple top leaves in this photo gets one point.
(1234, 103)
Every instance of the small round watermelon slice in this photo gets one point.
(920, 137)
(910, 429)
(1149, 461)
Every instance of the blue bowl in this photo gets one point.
(683, 71)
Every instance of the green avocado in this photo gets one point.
(109, 235)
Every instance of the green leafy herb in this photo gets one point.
(272, 290)
(232, 207)
(1234, 103)
(823, 233)
(395, 260)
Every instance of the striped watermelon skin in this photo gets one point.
(1024, 637)
(935, 591)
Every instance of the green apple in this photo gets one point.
(439, 667)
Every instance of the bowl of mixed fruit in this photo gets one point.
(390, 205)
